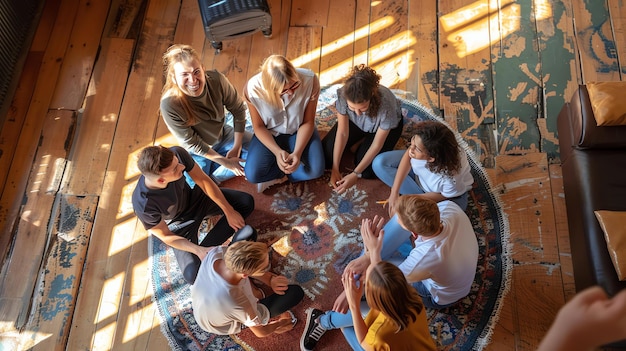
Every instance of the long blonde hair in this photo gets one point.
(175, 54)
(276, 72)
(387, 291)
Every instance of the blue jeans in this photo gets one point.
(385, 165)
(216, 171)
(334, 320)
(261, 163)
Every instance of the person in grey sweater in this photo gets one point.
(192, 107)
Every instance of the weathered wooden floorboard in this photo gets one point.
(562, 231)
(524, 186)
(596, 44)
(423, 81)
(22, 164)
(53, 305)
(617, 11)
(306, 13)
(558, 68)
(31, 244)
(98, 123)
(465, 72)
(94, 325)
(304, 46)
(338, 37)
(389, 45)
(80, 56)
(52, 37)
(517, 80)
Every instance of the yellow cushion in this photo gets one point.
(608, 101)
(613, 224)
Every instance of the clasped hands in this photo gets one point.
(342, 183)
(288, 163)
(353, 277)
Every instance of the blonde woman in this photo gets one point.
(192, 106)
(282, 101)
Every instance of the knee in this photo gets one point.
(248, 204)
(378, 162)
(296, 292)
(190, 273)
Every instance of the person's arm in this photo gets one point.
(351, 178)
(189, 139)
(372, 233)
(305, 131)
(234, 218)
(234, 103)
(354, 288)
(266, 137)
(589, 320)
(341, 138)
(278, 283)
(235, 151)
(278, 326)
(394, 194)
(178, 242)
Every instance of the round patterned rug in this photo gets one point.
(313, 233)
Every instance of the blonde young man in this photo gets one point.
(224, 301)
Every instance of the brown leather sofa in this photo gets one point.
(594, 178)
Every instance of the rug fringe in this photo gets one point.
(162, 319)
(485, 337)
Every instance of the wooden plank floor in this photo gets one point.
(74, 271)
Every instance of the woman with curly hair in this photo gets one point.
(282, 101)
(368, 114)
(434, 166)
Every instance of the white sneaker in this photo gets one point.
(261, 187)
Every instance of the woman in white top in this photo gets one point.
(282, 101)
(434, 166)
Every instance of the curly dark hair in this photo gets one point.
(361, 85)
(439, 143)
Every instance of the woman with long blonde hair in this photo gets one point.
(192, 106)
(282, 100)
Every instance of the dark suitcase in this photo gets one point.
(228, 19)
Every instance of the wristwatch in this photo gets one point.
(358, 174)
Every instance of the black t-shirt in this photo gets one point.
(174, 202)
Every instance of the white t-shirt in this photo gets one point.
(449, 258)
(449, 187)
(220, 307)
(288, 118)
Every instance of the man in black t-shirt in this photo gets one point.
(173, 211)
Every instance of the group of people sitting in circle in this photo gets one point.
(179, 187)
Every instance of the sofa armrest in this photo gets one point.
(585, 132)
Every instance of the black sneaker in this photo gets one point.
(313, 331)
